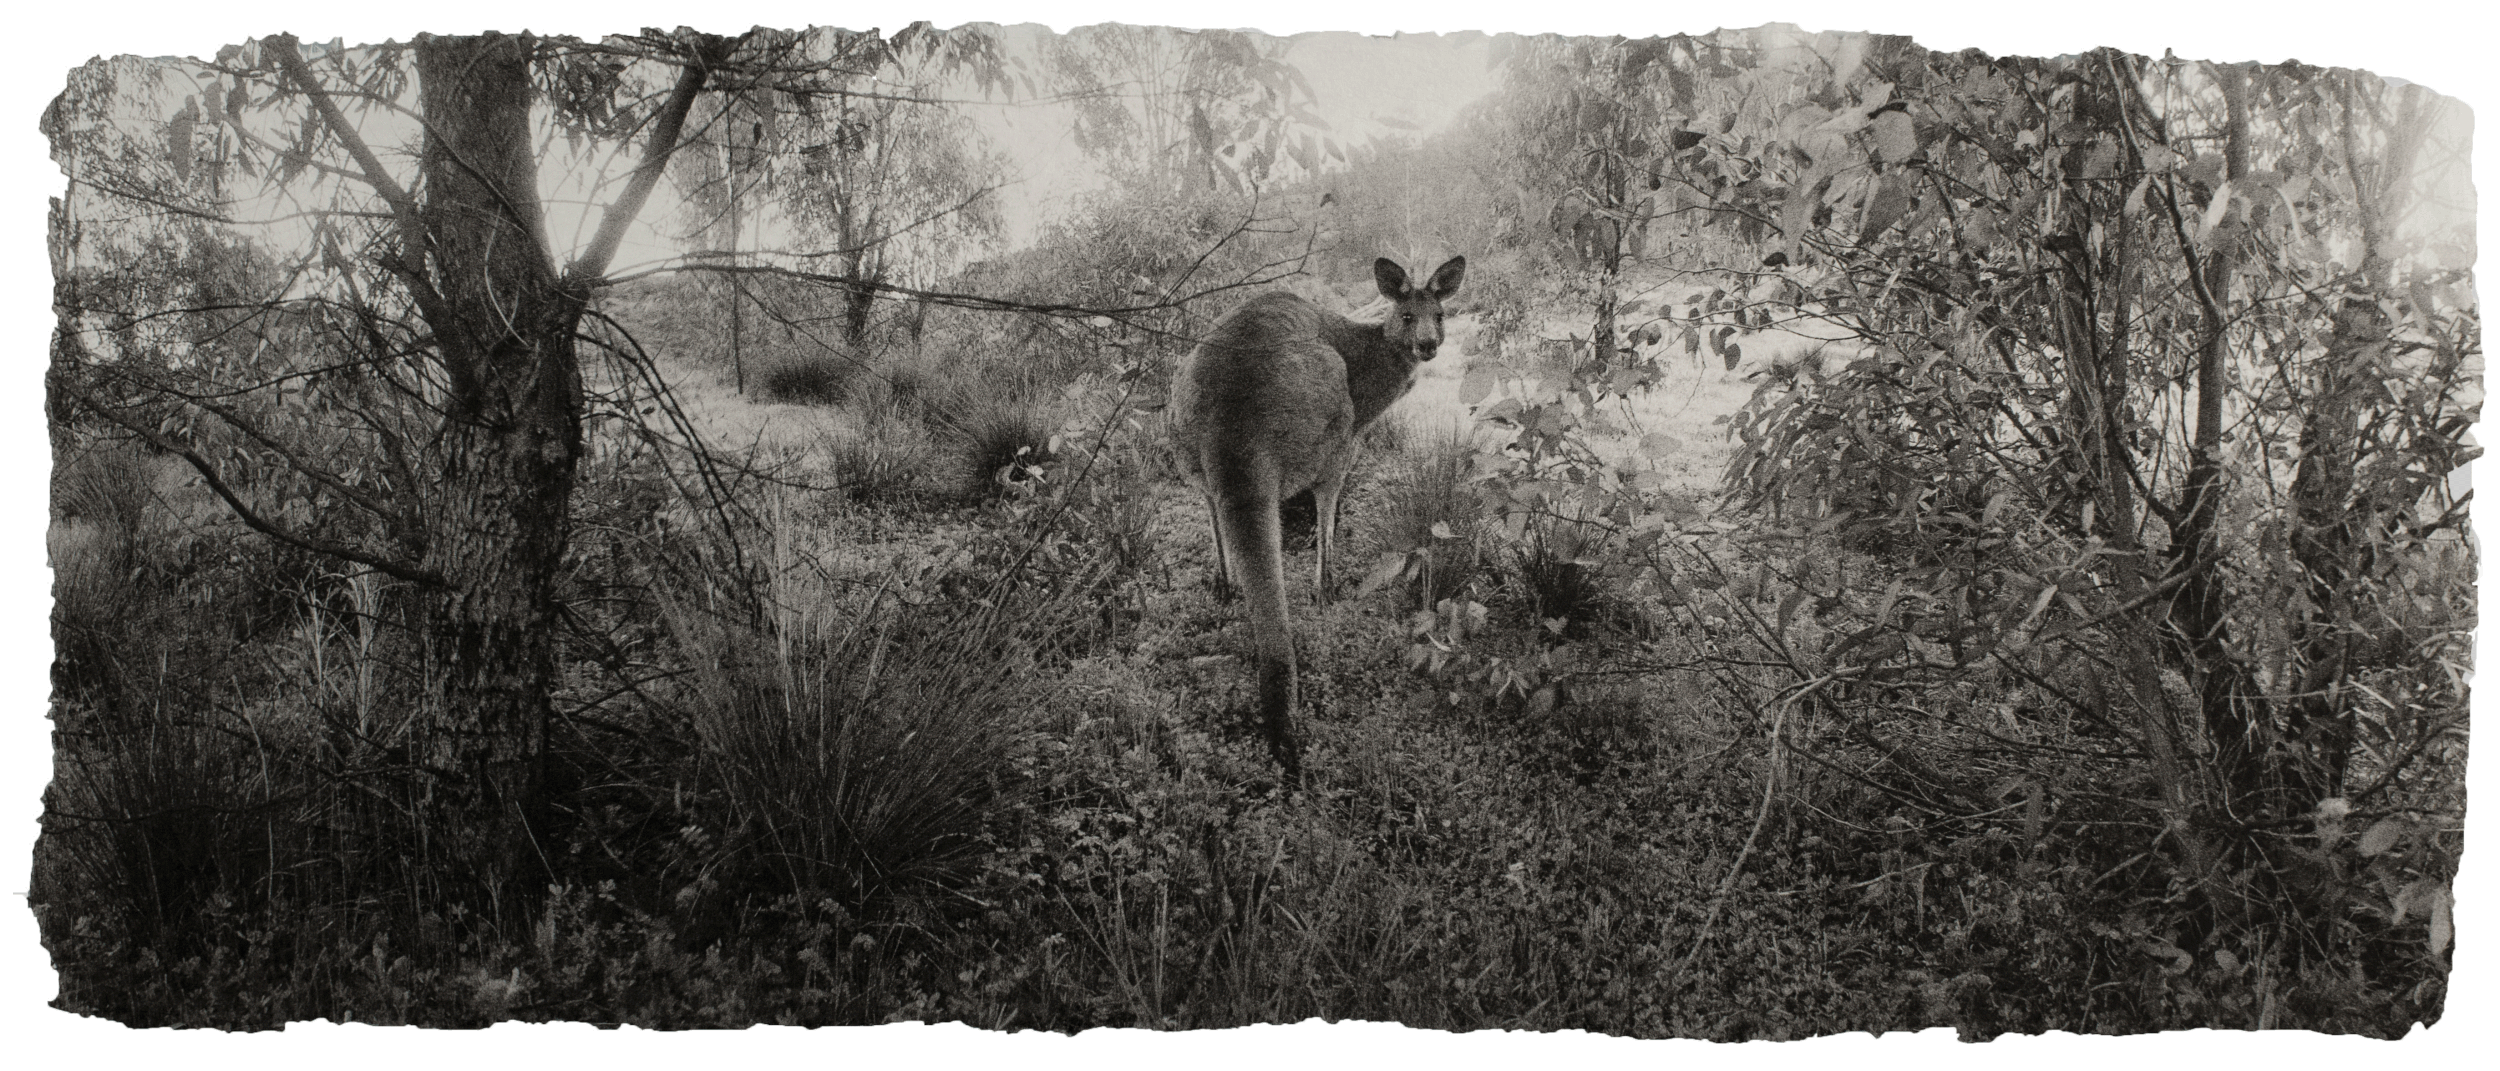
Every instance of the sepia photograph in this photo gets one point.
(1684, 525)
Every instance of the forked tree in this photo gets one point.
(328, 284)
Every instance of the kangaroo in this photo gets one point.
(1273, 403)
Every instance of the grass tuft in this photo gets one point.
(887, 459)
(856, 751)
(1432, 510)
(1552, 570)
(820, 377)
(997, 441)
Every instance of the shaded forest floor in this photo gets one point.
(873, 783)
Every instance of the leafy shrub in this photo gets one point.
(1114, 510)
(1596, 728)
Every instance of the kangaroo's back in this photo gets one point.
(1273, 402)
(1269, 382)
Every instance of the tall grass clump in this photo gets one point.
(1392, 434)
(1552, 567)
(100, 496)
(817, 377)
(855, 751)
(996, 440)
(142, 790)
(885, 459)
(1430, 512)
(230, 805)
(903, 384)
(149, 818)
(102, 481)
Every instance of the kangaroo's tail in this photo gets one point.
(1246, 505)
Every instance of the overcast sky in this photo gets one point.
(1418, 83)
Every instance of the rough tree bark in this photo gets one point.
(511, 434)
(474, 255)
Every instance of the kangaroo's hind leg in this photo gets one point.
(1324, 495)
(1257, 555)
(1223, 566)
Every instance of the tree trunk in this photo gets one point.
(1608, 243)
(2333, 508)
(2237, 716)
(2098, 407)
(737, 311)
(511, 432)
(1602, 355)
(858, 300)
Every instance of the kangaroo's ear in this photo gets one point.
(1445, 279)
(1392, 279)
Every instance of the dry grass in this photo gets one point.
(1431, 511)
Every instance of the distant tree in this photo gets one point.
(879, 180)
(1587, 118)
(1732, 141)
(1187, 111)
(900, 193)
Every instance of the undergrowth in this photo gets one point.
(932, 730)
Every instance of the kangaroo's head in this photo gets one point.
(1414, 324)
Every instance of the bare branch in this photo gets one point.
(403, 206)
(862, 247)
(593, 262)
(282, 46)
(970, 301)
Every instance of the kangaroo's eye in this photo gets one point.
(1410, 319)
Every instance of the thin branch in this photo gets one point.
(958, 300)
(403, 206)
(293, 459)
(243, 511)
(593, 263)
(1770, 787)
(872, 243)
